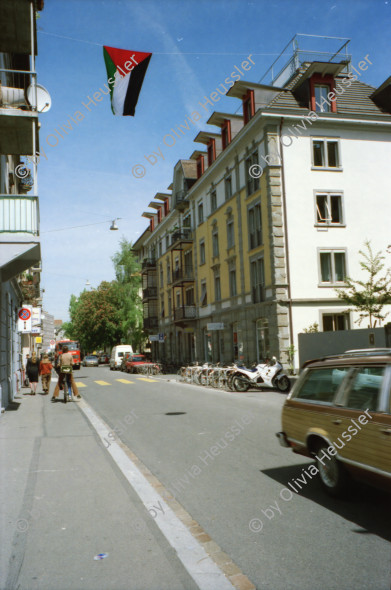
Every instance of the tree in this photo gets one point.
(369, 297)
(96, 319)
(128, 284)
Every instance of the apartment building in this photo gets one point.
(20, 252)
(264, 224)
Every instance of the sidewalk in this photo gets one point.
(63, 501)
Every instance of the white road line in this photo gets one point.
(206, 574)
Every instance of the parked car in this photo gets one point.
(117, 355)
(339, 413)
(124, 359)
(90, 361)
(134, 361)
(104, 358)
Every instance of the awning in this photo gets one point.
(18, 257)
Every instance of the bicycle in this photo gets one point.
(66, 374)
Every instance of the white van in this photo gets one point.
(117, 355)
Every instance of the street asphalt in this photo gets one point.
(76, 482)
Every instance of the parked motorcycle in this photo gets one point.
(263, 375)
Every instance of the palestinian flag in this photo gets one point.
(125, 73)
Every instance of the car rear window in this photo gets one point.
(320, 385)
(137, 358)
(365, 389)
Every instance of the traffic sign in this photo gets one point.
(24, 314)
(52, 342)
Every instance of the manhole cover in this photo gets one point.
(174, 413)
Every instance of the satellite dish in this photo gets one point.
(44, 101)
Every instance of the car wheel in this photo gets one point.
(240, 383)
(333, 476)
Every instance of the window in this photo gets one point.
(322, 105)
(230, 232)
(365, 389)
(329, 209)
(332, 267)
(237, 341)
(213, 201)
(255, 226)
(161, 279)
(325, 153)
(187, 221)
(178, 299)
(232, 282)
(215, 241)
(162, 308)
(160, 248)
(169, 311)
(167, 242)
(200, 166)
(321, 385)
(333, 322)
(202, 252)
(217, 288)
(257, 280)
(228, 188)
(200, 212)
(190, 296)
(168, 271)
(204, 296)
(252, 183)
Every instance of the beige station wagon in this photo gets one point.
(339, 413)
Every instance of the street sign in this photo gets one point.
(24, 314)
(38, 339)
(36, 320)
(52, 342)
(215, 326)
(161, 337)
(24, 319)
(153, 337)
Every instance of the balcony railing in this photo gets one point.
(180, 201)
(183, 235)
(150, 293)
(19, 214)
(151, 323)
(148, 263)
(185, 273)
(186, 312)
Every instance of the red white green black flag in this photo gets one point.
(125, 72)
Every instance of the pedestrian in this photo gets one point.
(32, 369)
(45, 368)
(25, 379)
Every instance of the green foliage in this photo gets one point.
(312, 328)
(291, 351)
(370, 296)
(128, 284)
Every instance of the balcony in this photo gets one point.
(148, 264)
(16, 17)
(180, 201)
(181, 236)
(185, 312)
(18, 112)
(151, 323)
(150, 293)
(19, 214)
(183, 275)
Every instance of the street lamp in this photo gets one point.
(114, 226)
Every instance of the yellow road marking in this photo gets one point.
(80, 384)
(102, 383)
(147, 379)
(124, 381)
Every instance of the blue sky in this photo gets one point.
(87, 177)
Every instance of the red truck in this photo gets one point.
(73, 348)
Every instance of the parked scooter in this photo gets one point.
(269, 374)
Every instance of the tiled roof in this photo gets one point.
(353, 101)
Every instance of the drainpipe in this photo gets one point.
(288, 274)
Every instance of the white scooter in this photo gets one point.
(263, 375)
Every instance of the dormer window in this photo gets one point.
(226, 133)
(323, 98)
(151, 224)
(211, 152)
(200, 166)
(166, 207)
(159, 215)
(248, 106)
